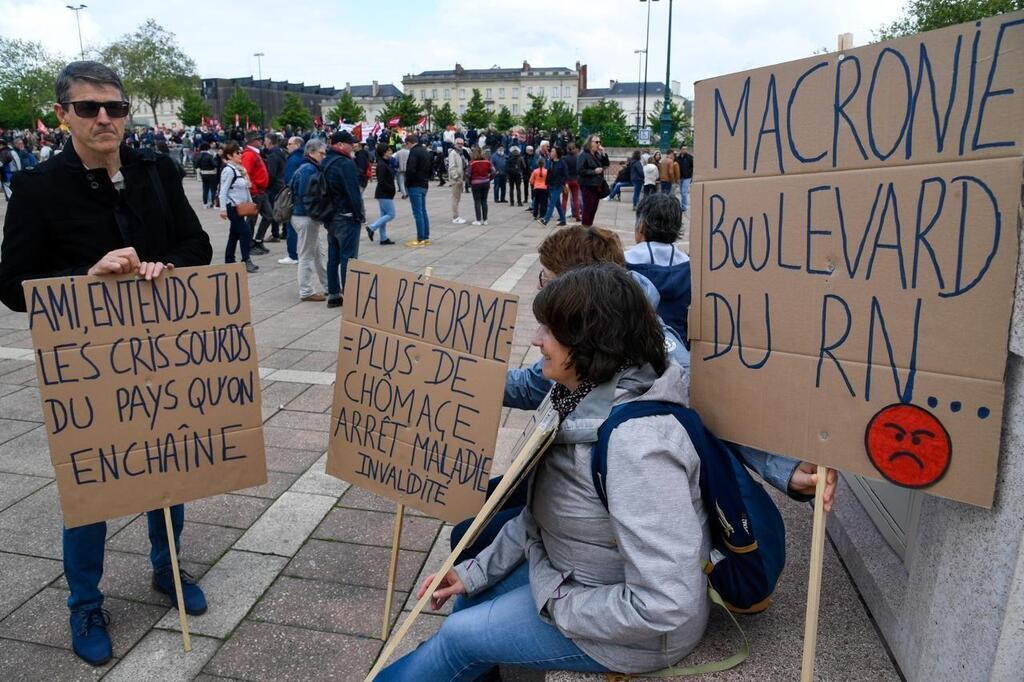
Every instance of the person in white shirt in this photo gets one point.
(234, 190)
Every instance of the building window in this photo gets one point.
(568, 91)
(515, 93)
(529, 90)
(487, 93)
(423, 94)
(554, 91)
(501, 92)
(462, 108)
(433, 93)
(515, 108)
(490, 107)
(447, 93)
(462, 93)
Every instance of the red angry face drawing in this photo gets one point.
(908, 445)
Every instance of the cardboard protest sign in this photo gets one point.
(855, 255)
(150, 390)
(417, 399)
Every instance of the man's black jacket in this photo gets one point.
(63, 218)
(418, 167)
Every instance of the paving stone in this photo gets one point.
(303, 377)
(28, 453)
(277, 483)
(360, 498)
(316, 361)
(25, 375)
(12, 428)
(262, 651)
(353, 564)
(277, 394)
(15, 487)
(296, 439)
(422, 629)
(438, 553)
(283, 358)
(200, 542)
(376, 528)
(7, 389)
(27, 661)
(290, 460)
(159, 656)
(314, 399)
(23, 405)
(317, 480)
(23, 576)
(33, 525)
(333, 607)
(129, 576)
(286, 524)
(235, 511)
(293, 419)
(232, 586)
(44, 620)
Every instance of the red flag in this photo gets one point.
(40, 127)
(319, 122)
(422, 122)
(357, 132)
(393, 121)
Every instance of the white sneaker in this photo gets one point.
(459, 221)
(485, 222)
(287, 261)
(476, 222)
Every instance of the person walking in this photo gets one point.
(63, 219)
(558, 175)
(384, 194)
(456, 176)
(592, 164)
(342, 180)
(572, 158)
(311, 242)
(480, 173)
(515, 168)
(235, 190)
(500, 162)
(636, 176)
(259, 180)
(275, 159)
(207, 164)
(685, 162)
(417, 178)
(539, 184)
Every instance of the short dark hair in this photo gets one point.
(661, 217)
(602, 316)
(572, 247)
(412, 139)
(89, 72)
(230, 148)
(253, 135)
(382, 149)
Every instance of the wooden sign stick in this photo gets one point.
(814, 580)
(392, 571)
(182, 616)
(538, 441)
(396, 540)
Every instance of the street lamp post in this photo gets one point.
(639, 66)
(259, 73)
(78, 21)
(647, 61)
(666, 117)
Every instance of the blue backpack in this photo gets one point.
(746, 527)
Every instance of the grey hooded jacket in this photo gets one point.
(625, 585)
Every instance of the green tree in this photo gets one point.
(444, 117)
(536, 116)
(607, 118)
(928, 15)
(476, 114)
(193, 109)
(504, 121)
(294, 113)
(680, 122)
(27, 76)
(240, 103)
(405, 108)
(152, 66)
(347, 109)
(560, 117)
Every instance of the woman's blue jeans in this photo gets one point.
(387, 213)
(499, 625)
(555, 201)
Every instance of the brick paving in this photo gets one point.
(295, 569)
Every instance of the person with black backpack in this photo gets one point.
(311, 244)
(207, 164)
(341, 181)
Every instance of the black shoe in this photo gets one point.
(251, 267)
(334, 302)
(543, 221)
(386, 242)
(369, 233)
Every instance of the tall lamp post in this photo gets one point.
(639, 65)
(646, 60)
(78, 21)
(666, 117)
(259, 74)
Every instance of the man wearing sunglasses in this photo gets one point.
(100, 208)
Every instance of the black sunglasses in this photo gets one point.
(91, 109)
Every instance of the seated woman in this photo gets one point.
(567, 584)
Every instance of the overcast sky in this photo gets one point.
(332, 43)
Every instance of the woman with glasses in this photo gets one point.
(591, 165)
(234, 190)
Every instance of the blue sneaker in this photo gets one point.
(89, 637)
(195, 600)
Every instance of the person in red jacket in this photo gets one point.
(253, 164)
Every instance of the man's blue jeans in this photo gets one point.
(83, 555)
(342, 244)
(638, 189)
(684, 193)
(500, 625)
(418, 203)
(292, 239)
